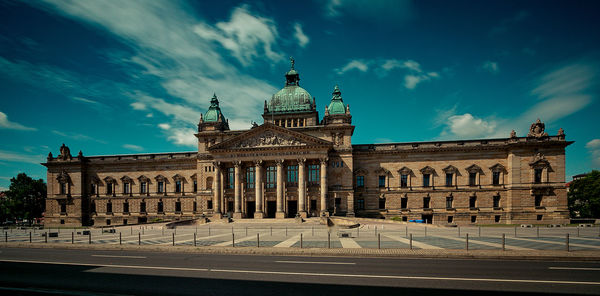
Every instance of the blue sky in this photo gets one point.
(113, 77)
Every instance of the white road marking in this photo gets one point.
(288, 242)
(113, 256)
(309, 262)
(414, 243)
(574, 268)
(348, 243)
(555, 243)
(313, 274)
(474, 241)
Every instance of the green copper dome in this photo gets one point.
(214, 111)
(292, 98)
(337, 105)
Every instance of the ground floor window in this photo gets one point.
(450, 219)
(539, 217)
(473, 219)
(382, 203)
(360, 204)
(497, 218)
(143, 207)
(177, 207)
(403, 202)
(107, 221)
(209, 204)
(160, 207)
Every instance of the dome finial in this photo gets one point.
(292, 62)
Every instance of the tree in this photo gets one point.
(584, 196)
(25, 198)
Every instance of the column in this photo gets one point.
(324, 186)
(301, 188)
(237, 214)
(258, 190)
(280, 213)
(217, 191)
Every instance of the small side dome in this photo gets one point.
(214, 111)
(336, 106)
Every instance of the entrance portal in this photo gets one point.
(427, 218)
(250, 209)
(292, 208)
(229, 206)
(271, 208)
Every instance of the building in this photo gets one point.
(297, 163)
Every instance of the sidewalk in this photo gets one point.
(549, 255)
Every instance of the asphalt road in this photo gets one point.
(58, 271)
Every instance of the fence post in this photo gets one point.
(410, 241)
(567, 242)
(300, 240)
(479, 230)
(233, 239)
(139, 239)
(120, 238)
(577, 231)
(503, 242)
(173, 238)
(271, 230)
(458, 231)
(467, 242)
(286, 231)
(313, 230)
(30, 237)
(257, 240)
(379, 241)
(515, 231)
(46, 237)
(194, 239)
(328, 240)
(72, 237)
(90, 238)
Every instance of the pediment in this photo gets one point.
(270, 136)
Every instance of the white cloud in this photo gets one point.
(133, 147)
(468, 126)
(490, 66)
(138, 106)
(414, 76)
(84, 100)
(246, 35)
(183, 137)
(300, 36)
(7, 124)
(594, 148)
(149, 115)
(18, 157)
(353, 64)
(593, 144)
(164, 126)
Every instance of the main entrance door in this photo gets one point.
(250, 209)
(271, 208)
(292, 208)
(427, 218)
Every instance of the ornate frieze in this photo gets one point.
(269, 139)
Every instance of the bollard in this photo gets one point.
(567, 242)
(46, 237)
(233, 240)
(30, 237)
(300, 240)
(90, 238)
(286, 231)
(173, 238)
(257, 240)
(328, 240)
(537, 232)
(120, 241)
(503, 242)
(406, 231)
(139, 239)
(458, 231)
(467, 242)
(379, 241)
(410, 243)
(425, 230)
(375, 230)
(479, 230)
(194, 239)
(577, 231)
(72, 237)
(515, 231)
(6, 237)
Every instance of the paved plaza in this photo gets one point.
(311, 234)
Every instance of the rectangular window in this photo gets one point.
(496, 201)
(109, 188)
(178, 186)
(107, 221)
(177, 207)
(360, 181)
(313, 174)
(538, 201)
(109, 208)
(143, 187)
(63, 188)
(360, 204)
(230, 184)
(496, 178)
(426, 178)
(63, 208)
(195, 186)
(473, 219)
(381, 181)
(403, 181)
(450, 219)
(497, 218)
(161, 187)
(209, 204)
(449, 202)
(125, 207)
(538, 175)
(143, 207)
(292, 175)
(250, 182)
(160, 207)
(125, 188)
(449, 178)
(472, 179)
(473, 202)
(271, 181)
(382, 203)
(195, 206)
(403, 202)
(426, 202)
(539, 217)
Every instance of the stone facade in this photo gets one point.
(296, 163)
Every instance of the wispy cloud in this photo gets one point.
(133, 147)
(165, 126)
(593, 147)
(84, 100)
(359, 65)
(302, 39)
(392, 12)
(76, 136)
(7, 124)
(414, 73)
(490, 66)
(19, 157)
